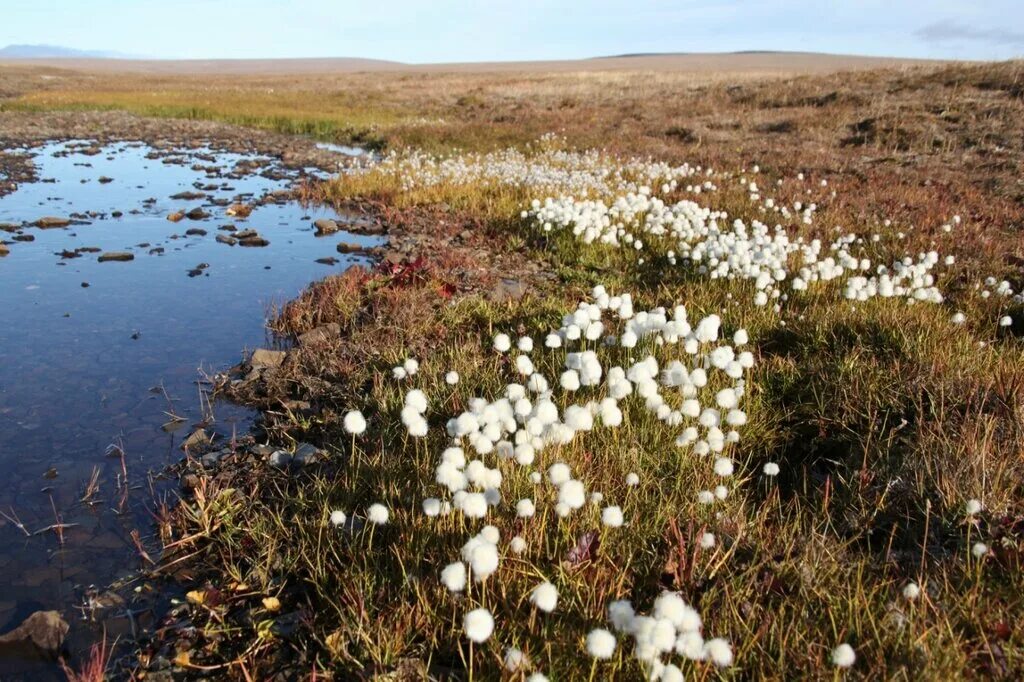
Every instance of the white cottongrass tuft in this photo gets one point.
(719, 651)
(979, 550)
(502, 343)
(338, 518)
(911, 591)
(378, 514)
(515, 660)
(770, 469)
(354, 422)
(478, 625)
(451, 378)
(632, 479)
(843, 656)
(545, 597)
(453, 576)
(974, 507)
(600, 643)
(612, 517)
(525, 508)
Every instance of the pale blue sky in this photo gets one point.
(451, 30)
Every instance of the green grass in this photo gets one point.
(320, 118)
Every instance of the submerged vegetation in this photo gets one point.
(765, 421)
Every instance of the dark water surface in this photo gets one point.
(81, 367)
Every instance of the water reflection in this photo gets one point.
(98, 353)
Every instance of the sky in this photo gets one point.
(430, 31)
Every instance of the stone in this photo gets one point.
(331, 330)
(307, 454)
(197, 214)
(40, 635)
(176, 216)
(50, 222)
(188, 196)
(197, 440)
(508, 289)
(103, 180)
(224, 239)
(116, 256)
(263, 358)
(253, 241)
(280, 458)
(3, 249)
(325, 226)
(196, 232)
(211, 459)
(239, 210)
(349, 247)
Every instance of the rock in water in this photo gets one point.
(197, 441)
(325, 226)
(41, 635)
(349, 247)
(50, 222)
(116, 256)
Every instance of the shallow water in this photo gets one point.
(81, 367)
(340, 149)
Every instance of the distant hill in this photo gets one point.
(750, 63)
(55, 52)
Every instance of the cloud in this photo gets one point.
(950, 31)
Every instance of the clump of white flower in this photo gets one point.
(600, 643)
(478, 625)
(545, 597)
(354, 422)
(843, 656)
(378, 514)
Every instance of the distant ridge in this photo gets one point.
(56, 52)
(747, 63)
(633, 55)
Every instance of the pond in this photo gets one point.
(96, 354)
